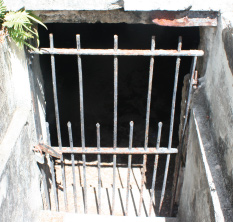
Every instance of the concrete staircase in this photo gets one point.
(51, 216)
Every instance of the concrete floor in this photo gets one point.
(106, 190)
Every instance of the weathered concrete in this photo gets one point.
(180, 5)
(20, 196)
(205, 195)
(65, 5)
(114, 16)
(128, 5)
(219, 87)
(207, 189)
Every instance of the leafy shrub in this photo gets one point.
(20, 26)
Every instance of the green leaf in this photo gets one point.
(20, 26)
(36, 20)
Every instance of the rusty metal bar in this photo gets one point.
(115, 121)
(171, 124)
(194, 62)
(45, 188)
(129, 167)
(119, 52)
(155, 168)
(73, 166)
(82, 120)
(57, 117)
(99, 167)
(120, 150)
(177, 168)
(51, 163)
(151, 71)
(48, 149)
(174, 94)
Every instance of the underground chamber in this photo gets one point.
(99, 94)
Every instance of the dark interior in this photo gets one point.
(132, 81)
(98, 81)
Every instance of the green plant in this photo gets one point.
(20, 26)
(2, 11)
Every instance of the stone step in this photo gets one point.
(51, 216)
(106, 192)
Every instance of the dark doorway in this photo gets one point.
(133, 85)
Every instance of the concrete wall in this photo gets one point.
(207, 187)
(218, 77)
(201, 198)
(20, 196)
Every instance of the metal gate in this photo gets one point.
(57, 152)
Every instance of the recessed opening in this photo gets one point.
(132, 87)
(98, 81)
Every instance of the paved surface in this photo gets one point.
(106, 190)
(70, 217)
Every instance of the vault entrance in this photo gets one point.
(116, 86)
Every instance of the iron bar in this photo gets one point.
(46, 192)
(51, 163)
(189, 93)
(48, 149)
(119, 52)
(129, 167)
(155, 168)
(82, 120)
(115, 121)
(73, 166)
(120, 150)
(57, 117)
(171, 124)
(99, 167)
(177, 167)
(151, 71)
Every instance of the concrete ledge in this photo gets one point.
(128, 5)
(64, 5)
(72, 217)
(205, 194)
(212, 189)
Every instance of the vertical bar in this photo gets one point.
(177, 167)
(129, 166)
(51, 163)
(82, 121)
(189, 93)
(99, 167)
(115, 121)
(45, 188)
(151, 71)
(171, 124)
(73, 166)
(57, 117)
(155, 167)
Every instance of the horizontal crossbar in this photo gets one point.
(119, 52)
(120, 150)
(56, 152)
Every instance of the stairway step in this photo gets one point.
(51, 216)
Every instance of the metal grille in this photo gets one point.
(115, 150)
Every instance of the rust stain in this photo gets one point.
(185, 18)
